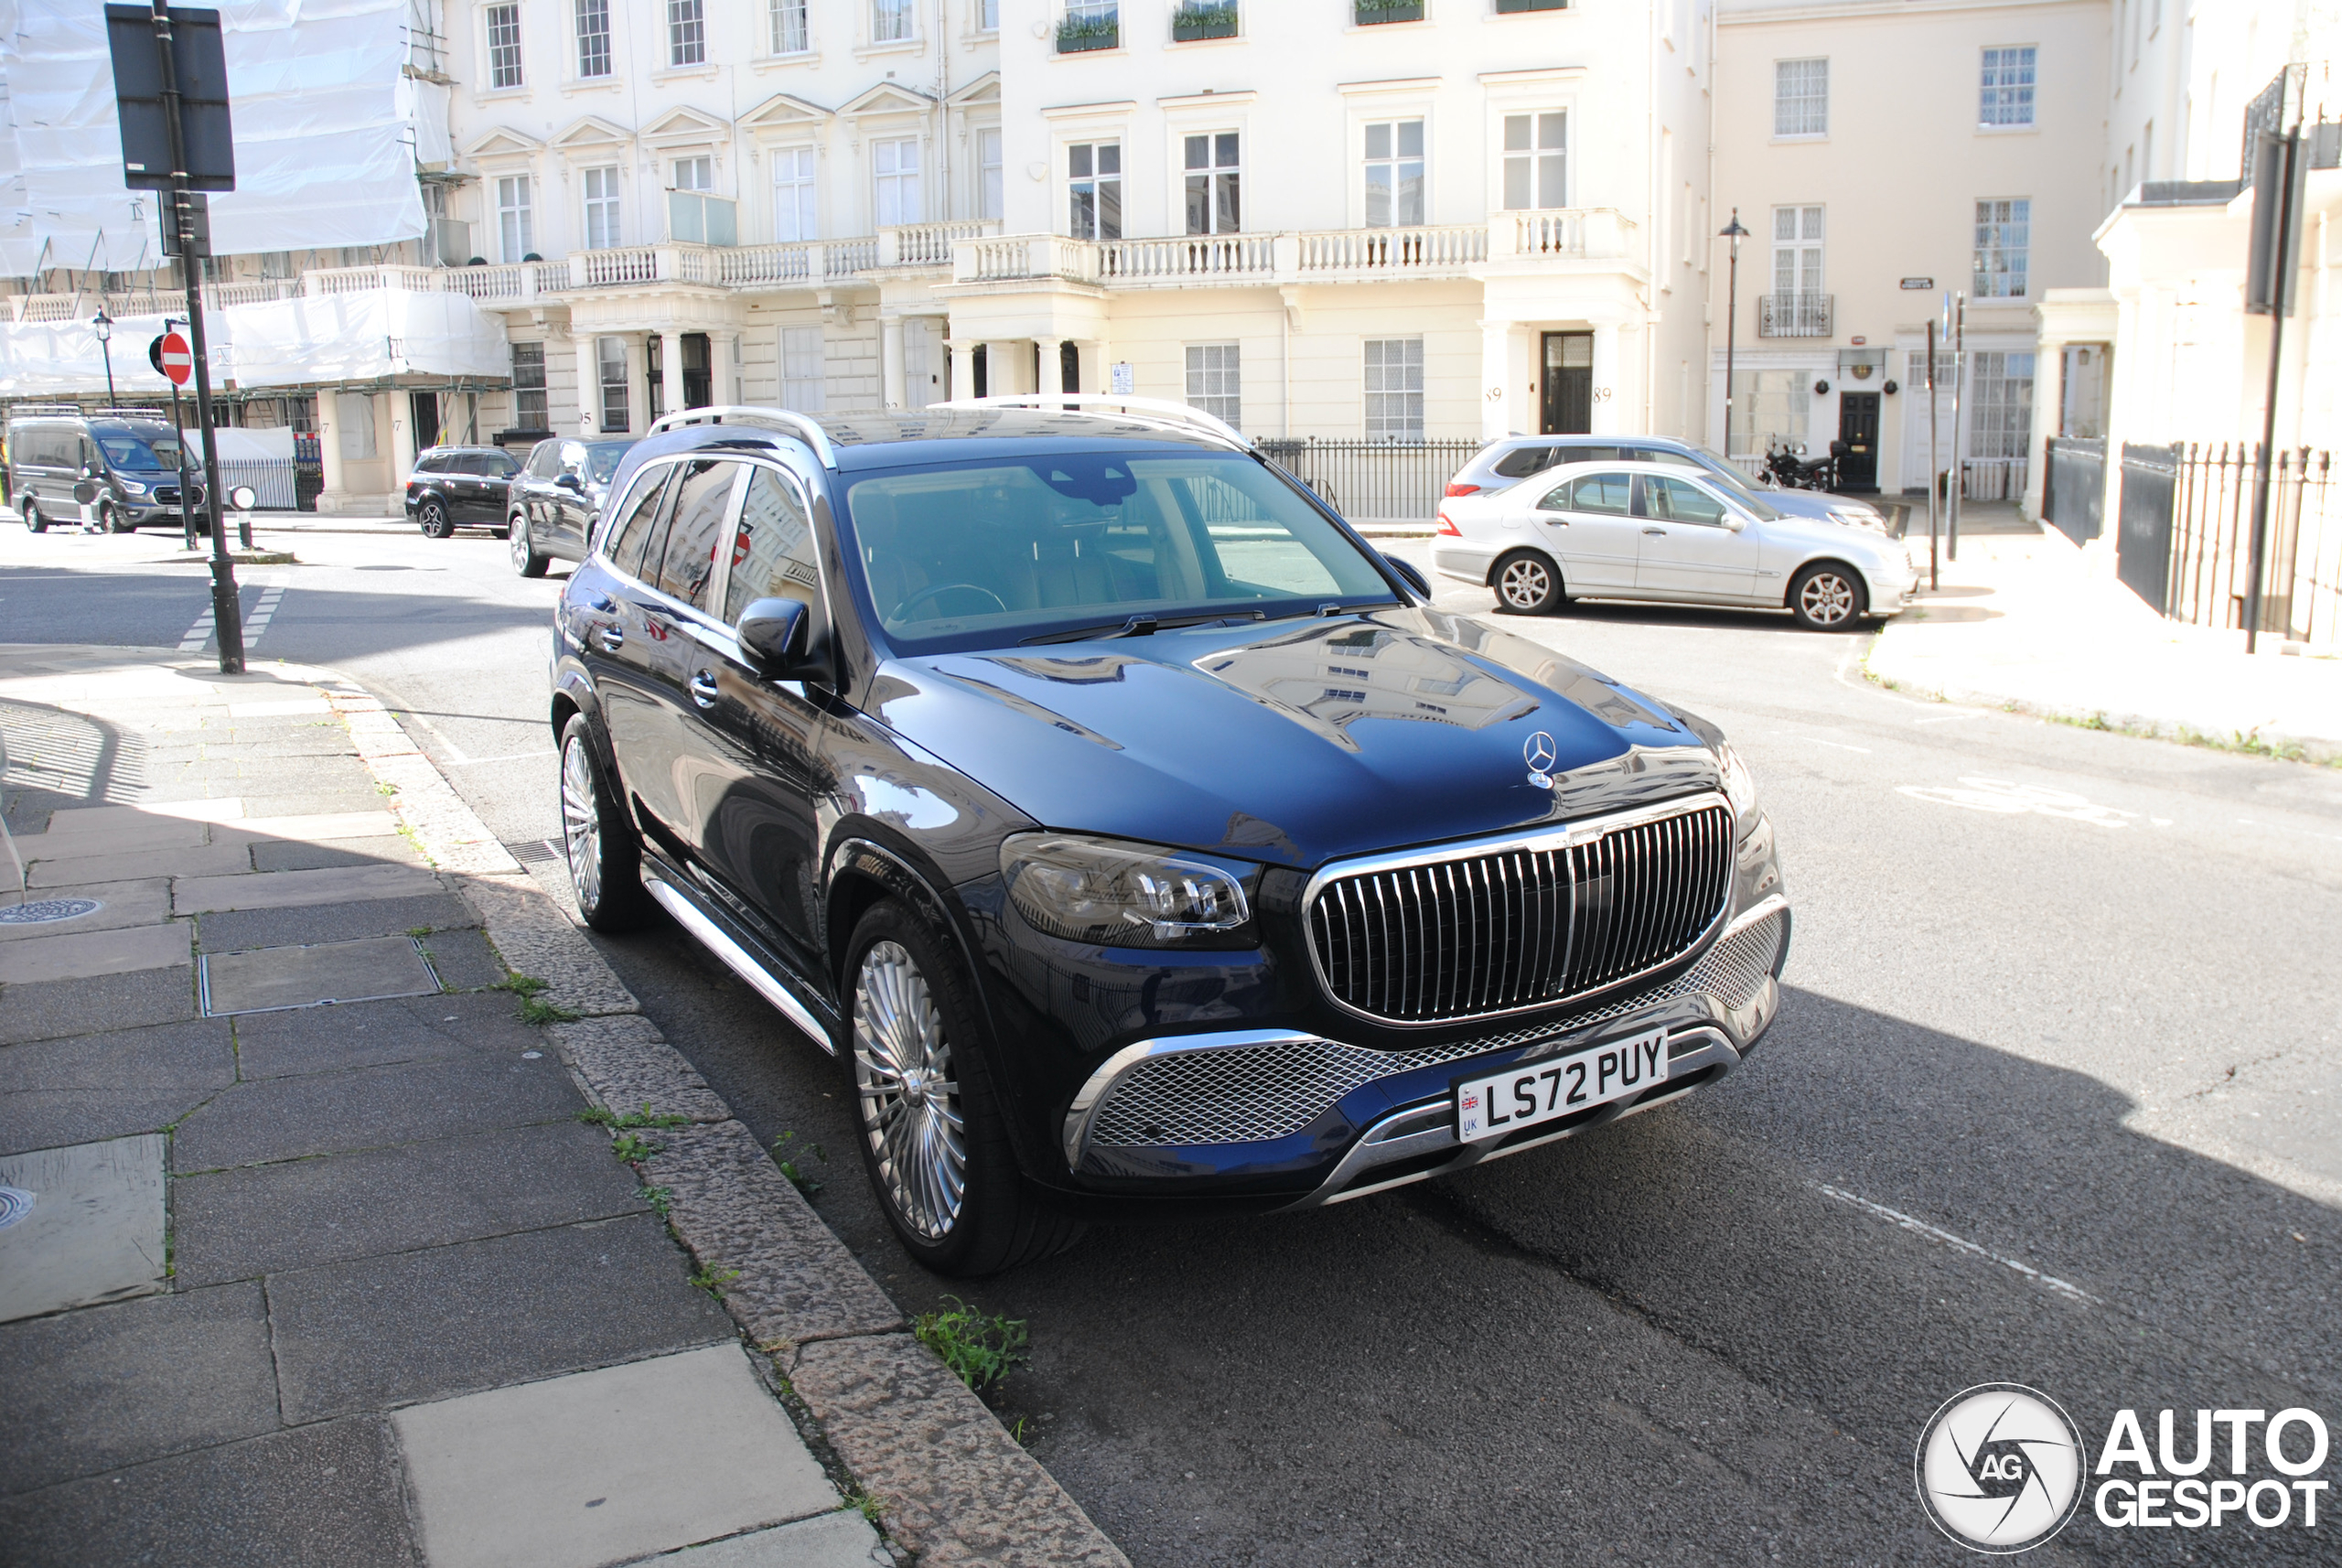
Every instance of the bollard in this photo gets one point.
(85, 495)
(244, 498)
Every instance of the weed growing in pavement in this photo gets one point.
(619, 1121)
(418, 932)
(534, 1009)
(709, 1280)
(787, 1161)
(660, 1198)
(862, 1503)
(634, 1150)
(384, 786)
(980, 1349)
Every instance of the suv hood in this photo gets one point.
(1294, 742)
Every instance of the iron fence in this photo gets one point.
(2073, 493)
(1373, 481)
(2211, 541)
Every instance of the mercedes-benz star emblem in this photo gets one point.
(1539, 753)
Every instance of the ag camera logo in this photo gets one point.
(1999, 1467)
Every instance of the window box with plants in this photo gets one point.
(1370, 12)
(1090, 30)
(1504, 7)
(1192, 21)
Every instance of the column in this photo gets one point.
(332, 497)
(1496, 389)
(670, 371)
(2048, 407)
(963, 367)
(1606, 420)
(1008, 367)
(890, 362)
(589, 386)
(400, 422)
(1091, 354)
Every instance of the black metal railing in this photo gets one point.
(2073, 491)
(1793, 314)
(2209, 512)
(1373, 481)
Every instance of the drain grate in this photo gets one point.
(48, 911)
(536, 852)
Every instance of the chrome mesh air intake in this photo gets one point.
(1499, 929)
(1250, 1093)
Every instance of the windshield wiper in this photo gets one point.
(1137, 626)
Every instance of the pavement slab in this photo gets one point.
(323, 1113)
(85, 1088)
(291, 889)
(463, 960)
(367, 970)
(295, 1214)
(44, 1010)
(840, 1540)
(227, 930)
(83, 954)
(210, 859)
(295, 855)
(322, 1496)
(102, 819)
(378, 1034)
(90, 1227)
(144, 902)
(94, 1391)
(477, 1315)
(536, 938)
(554, 1473)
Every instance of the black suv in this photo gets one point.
(1137, 836)
(555, 498)
(459, 487)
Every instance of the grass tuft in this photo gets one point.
(980, 1349)
(786, 1158)
(634, 1150)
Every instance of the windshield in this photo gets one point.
(602, 460)
(1734, 480)
(983, 556)
(140, 457)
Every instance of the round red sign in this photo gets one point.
(177, 359)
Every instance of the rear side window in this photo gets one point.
(1606, 495)
(1676, 500)
(772, 550)
(545, 461)
(1666, 455)
(1577, 452)
(431, 463)
(632, 531)
(1520, 465)
(495, 465)
(703, 505)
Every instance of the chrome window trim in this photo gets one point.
(1569, 836)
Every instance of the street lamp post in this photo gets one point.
(1735, 234)
(102, 325)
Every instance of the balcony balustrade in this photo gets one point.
(1793, 314)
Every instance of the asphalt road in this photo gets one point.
(2055, 1098)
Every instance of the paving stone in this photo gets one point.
(377, 1033)
(300, 1213)
(361, 971)
(292, 856)
(212, 860)
(118, 1385)
(50, 1008)
(607, 1465)
(83, 954)
(323, 1497)
(793, 1279)
(479, 1314)
(140, 903)
(840, 1540)
(227, 930)
(957, 1487)
(464, 960)
(537, 939)
(631, 1067)
(154, 832)
(291, 889)
(321, 1114)
(95, 1229)
(307, 802)
(317, 828)
(79, 819)
(87, 1087)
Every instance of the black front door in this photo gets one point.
(425, 407)
(699, 379)
(1858, 428)
(1565, 391)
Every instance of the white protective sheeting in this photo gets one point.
(324, 134)
(368, 335)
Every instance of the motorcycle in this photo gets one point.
(1785, 467)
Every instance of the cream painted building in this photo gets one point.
(1884, 154)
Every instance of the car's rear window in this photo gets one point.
(972, 555)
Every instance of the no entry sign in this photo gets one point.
(172, 356)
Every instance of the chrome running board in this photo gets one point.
(737, 958)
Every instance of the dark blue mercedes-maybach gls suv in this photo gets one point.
(1137, 835)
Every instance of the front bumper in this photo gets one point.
(1277, 1105)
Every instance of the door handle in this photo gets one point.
(613, 637)
(1658, 530)
(704, 690)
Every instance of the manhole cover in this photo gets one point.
(15, 1204)
(46, 911)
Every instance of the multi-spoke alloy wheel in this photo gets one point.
(580, 821)
(604, 857)
(1825, 597)
(1528, 584)
(911, 1098)
(525, 559)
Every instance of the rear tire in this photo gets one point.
(110, 521)
(1527, 583)
(32, 519)
(604, 854)
(934, 1140)
(525, 560)
(435, 521)
(1827, 597)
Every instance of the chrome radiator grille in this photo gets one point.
(1507, 929)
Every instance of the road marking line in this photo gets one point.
(1949, 718)
(1956, 1243)
(2006, 799)
(261, 612)
(1842, 745)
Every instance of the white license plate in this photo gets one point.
(1523, 1096)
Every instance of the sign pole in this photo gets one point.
(1959, 440)
(187, 482)
(2280, 297)
(227, 612)
(1935, 474)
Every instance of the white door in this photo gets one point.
(1689, 548)
(1588, 523)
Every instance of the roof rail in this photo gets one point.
(1156, 410)
(45, 410)
(781, 418)
(128, 413)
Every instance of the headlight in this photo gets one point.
(1120, 895)
(134, 486)
(1859, 518)
(1739, 786)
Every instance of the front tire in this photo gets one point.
(605, 856)
(435, 521)
(525, 559)
(1527, 584)
(1827, 597)
(32, 519)
(934, 1142)
(110, 521)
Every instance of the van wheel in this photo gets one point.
(110, 521)
(435, 523)
(934, 1140)
(1528, 584)
(32, 519)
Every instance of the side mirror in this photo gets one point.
(568, 479)
(774, 635)
(1409, 575)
